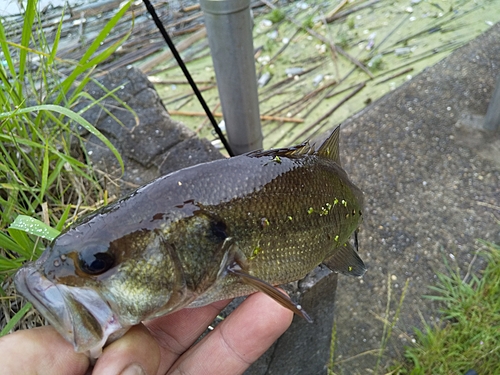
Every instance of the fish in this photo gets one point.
(209, 232)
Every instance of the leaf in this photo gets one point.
(9, 265)
(5, 49)
(34, 226)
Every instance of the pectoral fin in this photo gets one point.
(268, 289)
(346, 260)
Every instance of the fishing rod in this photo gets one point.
(197, 92)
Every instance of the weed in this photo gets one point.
(44, 171)
(308, 23)
(389, 325)
(276, 15)
(375, 63)
(342, 40)
(470, 336)
(351, 23)
(331, 361)
(388, 328)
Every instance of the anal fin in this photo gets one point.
(280, 297)
(346, 260)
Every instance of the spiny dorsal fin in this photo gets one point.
(293, 152)
(330, 147)
(346, 260)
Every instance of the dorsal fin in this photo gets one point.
(293, 152)
(330, 147)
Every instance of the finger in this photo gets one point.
(155, 348)
(176, 332)
(40, 351)
(239, 341)
(137, 349)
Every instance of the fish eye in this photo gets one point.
(94, 262)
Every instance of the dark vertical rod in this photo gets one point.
(197, 92)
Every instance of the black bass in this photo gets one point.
(213, 231)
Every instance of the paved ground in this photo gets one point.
(431, 190)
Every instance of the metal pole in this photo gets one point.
(492, 118)
(229, 29)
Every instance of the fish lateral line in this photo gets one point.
(266, 288)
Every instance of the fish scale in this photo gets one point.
(296, 240)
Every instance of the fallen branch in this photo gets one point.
(336, 9)
(219, 114)
(345, 13)
(285, 81)
(167, 54)
(310, 95)
(320, 37)
(301, 106)
(394, 76)
(327, 114)
(175, 98)
(159, 81)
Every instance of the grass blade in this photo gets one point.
(45, 172)
(6, 52)
(63, 219)
(73, 116)
(25, 243)
(15, 319)
(8, 243)
(29, 17)
(87, 62)
(57, 38)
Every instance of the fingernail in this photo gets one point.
(133, 369)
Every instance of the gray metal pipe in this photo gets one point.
(492, 118)
(229, 29)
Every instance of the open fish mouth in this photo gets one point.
(79, 314)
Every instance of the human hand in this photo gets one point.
(161, 346)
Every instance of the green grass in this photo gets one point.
(469, 337)
(44, 170)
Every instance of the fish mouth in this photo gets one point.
(79, 314)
